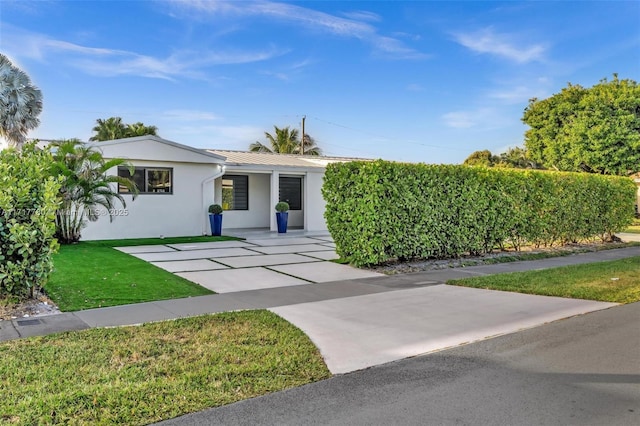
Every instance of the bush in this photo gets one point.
(282, 207)
(28, 203)
(215, 209)
(380, 211)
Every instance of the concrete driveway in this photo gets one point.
(390, 323)
(359, 332)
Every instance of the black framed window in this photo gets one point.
(291, 191)
(149, 180)
(235, 192)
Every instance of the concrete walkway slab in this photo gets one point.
(282, 241)
(115, 316)
(194, 254)
(189, 265)
(232, 280)
(358, 332)
(324, 255)
(265, 260)
(303, 248)
(324, 271)
(209, 245)
(144, 249)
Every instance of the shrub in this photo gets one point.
(380, 211)
(215, 209)
(28, 203)
(282, 207)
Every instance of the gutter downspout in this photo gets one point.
(204, 207)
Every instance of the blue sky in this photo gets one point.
(428, 81)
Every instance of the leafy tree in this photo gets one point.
(109, 129)
(113, 128)
(28, 202)
(139, 129)
(85, 187)
(20, 103)
(481, 158)
(286, 141)
(594, 130)
(516, 158)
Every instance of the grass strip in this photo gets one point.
(139, 375)
(615, 281)
(90, 275)
(635, 227)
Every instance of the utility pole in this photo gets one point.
(302, 139)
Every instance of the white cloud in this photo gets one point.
(484, 118)
(459, 119)
(355, 26)
(113, 62)
(489, 42)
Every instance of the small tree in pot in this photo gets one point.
(282, 216)
(215, 219)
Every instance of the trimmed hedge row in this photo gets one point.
(380, 211)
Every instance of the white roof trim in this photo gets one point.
(159, 140)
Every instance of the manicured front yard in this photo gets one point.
(614, 281)
(92, 274)
(140, 375)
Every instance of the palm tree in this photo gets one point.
(286, 141)
(85, 187)
(20, 103)
(109, 129)
(310, 146)
(139, 129)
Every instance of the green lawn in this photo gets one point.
(139, 375)
(613, 281)
(92, 274)
(635, 227)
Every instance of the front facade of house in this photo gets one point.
(177, 183)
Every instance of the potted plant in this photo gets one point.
(215, 219)
(282, 216)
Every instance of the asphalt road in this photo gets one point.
(580, 371)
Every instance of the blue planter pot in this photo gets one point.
(282, 218)
(216, 224)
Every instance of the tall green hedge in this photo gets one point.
(28, 202)
(380, 211)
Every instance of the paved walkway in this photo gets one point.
(363, 321)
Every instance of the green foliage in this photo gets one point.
(282, 207)
(113, 128)
(85, 188)
(481, 158)
(381, 211)
(28, 202)
(215, 209)
(286, 141)
(595, 130)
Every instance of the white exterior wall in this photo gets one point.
(183, 213)
(258, 214)
(314, 203)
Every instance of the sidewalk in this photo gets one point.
(277, 297)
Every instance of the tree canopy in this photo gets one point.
(20, 103)
(286, 141)
(113, 128)
(481, 158)
(593, 129)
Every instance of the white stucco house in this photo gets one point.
(177, 183)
